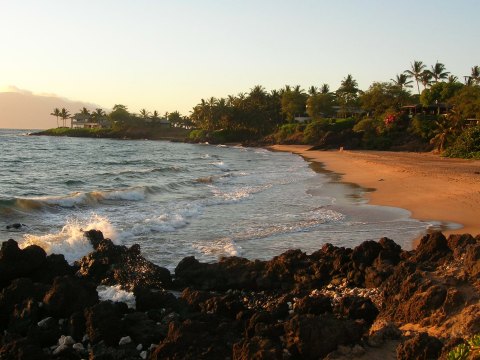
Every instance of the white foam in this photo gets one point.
(70, 241)
(221, 165)
(133, 194)
(116, 294)
(221, 247)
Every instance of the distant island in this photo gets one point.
(443, 116)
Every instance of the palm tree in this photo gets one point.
(446, 129)
(401, 80)
(475, 74)
(313, 90)
(56, 113)
(426, 78)
(144, 114)
(416, 70)
(64, 114)
(97, 115)
(155, 115)
(452, 79)
(438, 72)
(325, 89)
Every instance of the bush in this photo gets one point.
(467, 145)
(423, 127)
(197, 135)
(315, 130)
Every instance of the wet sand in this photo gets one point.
(429, 186)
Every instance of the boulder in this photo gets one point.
(112, 264)
(313, 337)
(68, 295)
(103, 322)
(433, 247)
(16, 263)
(419, 347)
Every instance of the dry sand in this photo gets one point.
(429, 186)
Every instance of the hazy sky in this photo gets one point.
(167, 55)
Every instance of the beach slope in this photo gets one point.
(429, 186)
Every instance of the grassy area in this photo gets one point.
(151, 132)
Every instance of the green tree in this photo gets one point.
(120, 115)
(438, 72)
(98, 115)
(447, 129)
(144, 114)
(440, 92)
(347, 93)
(56, 112)
(466, 102)
(415, 71)
(401, 80)
(325, 89)
(426, 78)
(320, 105)
(312, 90)
(381, 97)
(64, 114)
(475, 75)
(293, 102)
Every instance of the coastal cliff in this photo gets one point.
(375, 300)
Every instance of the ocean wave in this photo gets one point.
(218, 248)
(77, 199)
(70, 241)
(169, 221)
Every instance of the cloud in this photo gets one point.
(15, 89)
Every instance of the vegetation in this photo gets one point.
(468, 350)
(386, 116)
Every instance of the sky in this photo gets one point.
(167, 55)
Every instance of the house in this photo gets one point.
(83, 121)
(436, 109)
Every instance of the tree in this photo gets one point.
(381, 97)
(312, 90)
(416, 70)
(452, 79)
(119, 114)
(347, 93)
(325, 89)
(401, 80)
(475, 76)
(56, 113)
(293, 102)
(447, 128)
(440, 92)
(155, 116)
(426, 78)
(98, 115)
(144, 114)
(64, 114)
(466, 102)
(320, 105)
(438, 72)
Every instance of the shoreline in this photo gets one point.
(431, 188)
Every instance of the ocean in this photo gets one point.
(178, 200)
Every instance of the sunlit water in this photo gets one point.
(178, 200)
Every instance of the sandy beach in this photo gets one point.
(429, 186)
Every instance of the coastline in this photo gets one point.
(432, 188)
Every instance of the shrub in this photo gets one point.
(467, 145)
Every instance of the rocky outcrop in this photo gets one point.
(334, 303)
(112, 264)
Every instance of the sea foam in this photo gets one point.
(70, 241)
